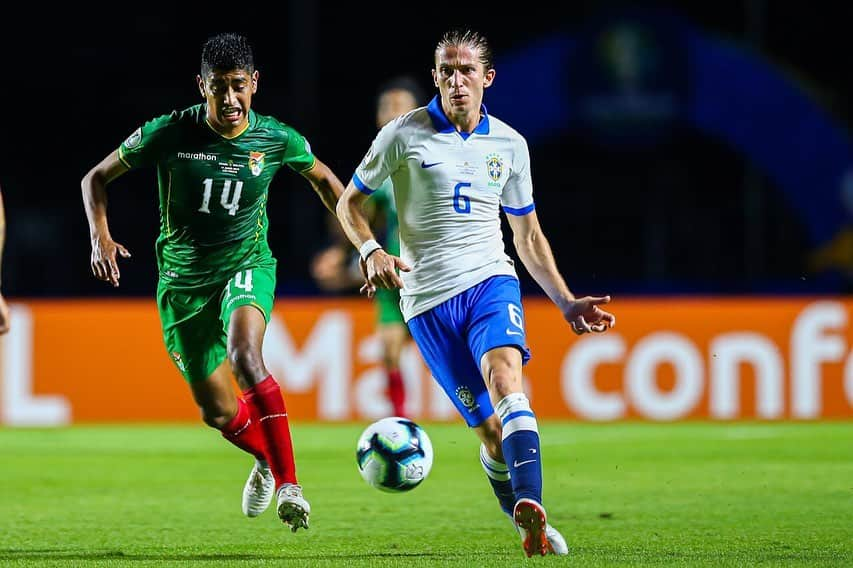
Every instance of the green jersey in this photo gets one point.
(383, 200)
(213, 191)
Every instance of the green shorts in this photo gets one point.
(388, 306)
(195, 322)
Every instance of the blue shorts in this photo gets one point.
(454, 336)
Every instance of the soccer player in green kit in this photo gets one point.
(336, 268)
(217, 274)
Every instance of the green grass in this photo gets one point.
(625, 494)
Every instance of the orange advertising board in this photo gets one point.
(667, 359)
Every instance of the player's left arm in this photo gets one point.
(325, 183)
(583, 314)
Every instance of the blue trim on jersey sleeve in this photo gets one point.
(361, 185)
(520, 210)
(443, 125)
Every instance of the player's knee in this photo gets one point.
(216, 416)
(503, 370)
(504, 380)
(391, 360)
(246, 363)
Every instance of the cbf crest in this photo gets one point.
(256, 163)
(495, 169)
(466, 397)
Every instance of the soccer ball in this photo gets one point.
(394, 455)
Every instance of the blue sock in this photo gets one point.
(521, 446)
(498, 475)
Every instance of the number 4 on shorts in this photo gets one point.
(243, 280)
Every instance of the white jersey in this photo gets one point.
(449, 187)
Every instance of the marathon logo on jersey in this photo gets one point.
(198, 156)
(466, 397)
(256, 162)
(134, 139)
(495, 168)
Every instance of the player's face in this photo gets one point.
(461, 78)
(229, 97)
(392, 104)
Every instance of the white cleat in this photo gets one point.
(556, 542)
(293, 509)
(537, 536)
(258, 491)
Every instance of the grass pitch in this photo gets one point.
(622, 494)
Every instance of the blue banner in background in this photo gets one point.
(629, 79)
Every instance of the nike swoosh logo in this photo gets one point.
(517, 463)
(511, 332)
(424, 165)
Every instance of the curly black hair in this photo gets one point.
(224, 52)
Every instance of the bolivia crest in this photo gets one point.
(256, 162)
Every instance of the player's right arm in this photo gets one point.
(379, 267)
(142, 148)
(104, 248)
(4, 309)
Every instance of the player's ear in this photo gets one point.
(255, 76)
(434, 77)
(489, 78)
(200, 82)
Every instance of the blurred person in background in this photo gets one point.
(336, 268)
(454, 167)
(4, 309)
(217, 274)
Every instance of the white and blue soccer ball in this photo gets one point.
(394, 455)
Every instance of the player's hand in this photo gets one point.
(585, 316)
(103, 261)
(381, 272)
(4, 315)
(329, 269)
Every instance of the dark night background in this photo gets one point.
(686, 214)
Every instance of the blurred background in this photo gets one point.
(692, 160)
(677, 148)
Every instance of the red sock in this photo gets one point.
(272, 415)
(244, 431)
(397, 392)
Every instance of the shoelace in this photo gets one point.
(293, 490)
(257, 482)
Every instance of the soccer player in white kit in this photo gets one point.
(453, 167)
